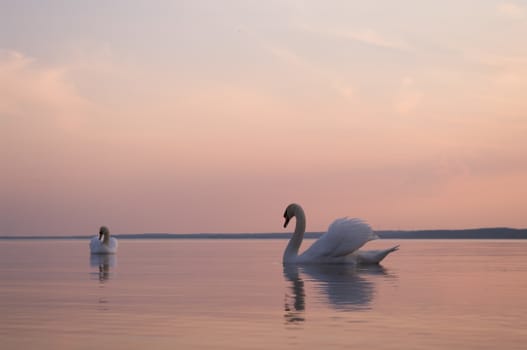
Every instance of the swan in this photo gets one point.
(338, 246)
(103, 244)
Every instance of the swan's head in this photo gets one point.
(103, 231)
(290, 212)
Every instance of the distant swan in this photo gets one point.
(103, 244)
(338, 246)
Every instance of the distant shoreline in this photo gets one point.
(480, 233)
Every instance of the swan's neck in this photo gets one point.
(291, 251)
(106, 238)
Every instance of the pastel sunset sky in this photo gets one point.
(212, 116)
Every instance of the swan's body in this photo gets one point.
(103, 244)
(338, 246)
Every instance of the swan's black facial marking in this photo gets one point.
(102, 231)
(287, 218)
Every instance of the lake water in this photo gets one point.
(235, 294)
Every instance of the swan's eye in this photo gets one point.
(285, 214)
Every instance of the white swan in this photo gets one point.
(103, 244)
(338, 246)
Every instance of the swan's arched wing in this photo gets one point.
(344, 236)
(94, 243)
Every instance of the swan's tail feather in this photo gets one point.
(393, 249)
(374, 256)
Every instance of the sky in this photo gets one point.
(209, 116)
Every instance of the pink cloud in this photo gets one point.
(511, 10)
(42, 94)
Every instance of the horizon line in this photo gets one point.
(489, 232)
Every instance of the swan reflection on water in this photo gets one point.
(294, 311)
(341, 286)
(103, 262)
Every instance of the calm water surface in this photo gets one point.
(235, 294)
